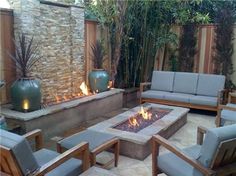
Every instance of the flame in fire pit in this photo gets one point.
(133, 122)
(84, 88)
(146, 115)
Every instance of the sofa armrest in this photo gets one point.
(142, 85)
(221, 96)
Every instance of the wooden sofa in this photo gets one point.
(192, 90)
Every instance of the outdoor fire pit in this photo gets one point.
(142, 119)
(135, 127)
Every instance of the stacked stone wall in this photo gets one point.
(59, 30)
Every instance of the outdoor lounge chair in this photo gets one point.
(215, 156)
(98, 142)
(17, 158)
(226, 112)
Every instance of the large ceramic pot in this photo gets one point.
(26, 95)
(98, 80)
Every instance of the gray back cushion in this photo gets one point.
(162, 80)
(185, 82)
(211, 143)
(21, 149)
(212, 140)
(210, 85)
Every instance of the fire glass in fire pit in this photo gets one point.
(143, 119)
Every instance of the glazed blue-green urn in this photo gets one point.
(26, 95)
(98, 80)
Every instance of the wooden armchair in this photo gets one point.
(17, 158)
(216, 155)
(226, 112)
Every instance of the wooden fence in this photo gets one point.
(7, 69)
(203, 62)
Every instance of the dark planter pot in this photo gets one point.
(26, 95)
(98, 80)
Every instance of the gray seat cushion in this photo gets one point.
(210, 85)
(212, 140)
(153, 94)
(180, 97)
(227, 114)
(203, 100)
(185, 82)
(162, 80)
(172, 165)
(94, 138)
(72, 167)
(21, 149)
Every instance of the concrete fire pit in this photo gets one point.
(138, 145)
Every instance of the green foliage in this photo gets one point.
(104, 10)
(147, 29)
(225, 18)
(97, 55)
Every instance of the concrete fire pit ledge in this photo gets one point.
(61, 117)
(138, 145)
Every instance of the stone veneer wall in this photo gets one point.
(59, 29)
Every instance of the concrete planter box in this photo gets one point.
(55, 119)
(130, 95)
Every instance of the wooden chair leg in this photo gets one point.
(155, 153)
(117, 152)
(218, 119)
(59, 148)
(92, 159)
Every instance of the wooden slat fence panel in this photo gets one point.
(7, 69)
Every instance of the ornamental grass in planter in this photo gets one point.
(98, 77)
(25, 91)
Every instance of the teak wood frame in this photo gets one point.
(223, 163)
(176, 103)
(113, 144)
(9, 165)
(221, 107)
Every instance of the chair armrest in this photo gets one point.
(81, 148)
(144, 84)
(231, 95)
(200, 134)
(165, 143)
(37, 136)
(221, 107)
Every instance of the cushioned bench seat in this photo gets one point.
(185, 89)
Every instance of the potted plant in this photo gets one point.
(25, 91)
(98, 77)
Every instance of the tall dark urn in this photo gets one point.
(26, 95)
